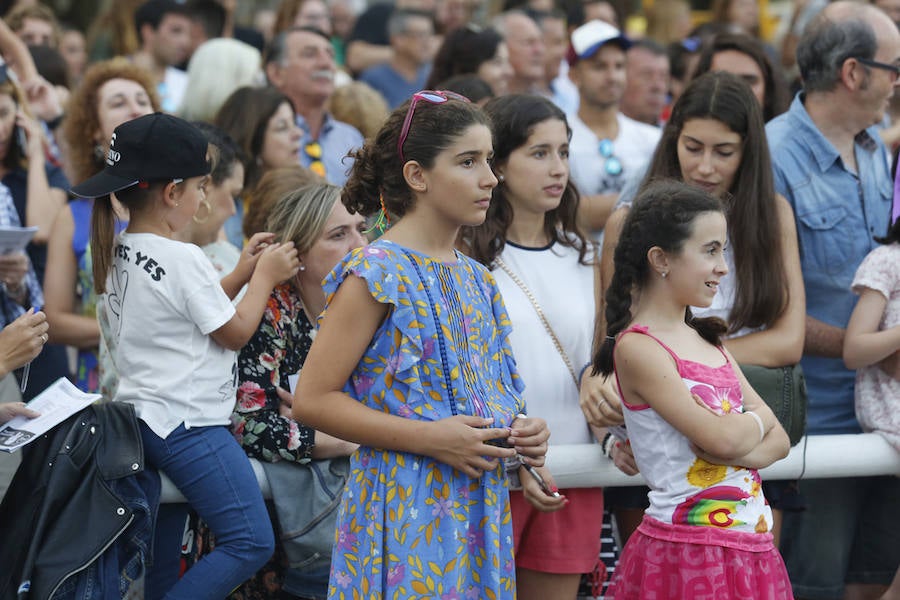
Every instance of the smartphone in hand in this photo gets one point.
(21, 140)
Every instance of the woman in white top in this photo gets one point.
(544, 267)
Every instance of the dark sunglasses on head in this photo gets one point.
(430, 96)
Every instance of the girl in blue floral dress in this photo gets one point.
(412, 361)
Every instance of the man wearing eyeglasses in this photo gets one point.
(300, 63)
(833, 168)
(607, 147)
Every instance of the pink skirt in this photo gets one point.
(663, 561)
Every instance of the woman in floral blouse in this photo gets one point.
(323, 232)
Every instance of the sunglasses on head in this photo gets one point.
(430, 96)
(611, 162)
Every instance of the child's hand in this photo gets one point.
(286, 406)
(277, 263)
(537, 497)
(622, 456)
(461, 442)
(529, 437)
(251, 253)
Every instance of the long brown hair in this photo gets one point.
(754, 229)
(513, 119)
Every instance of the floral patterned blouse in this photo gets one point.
(410, 526)
(277, 350)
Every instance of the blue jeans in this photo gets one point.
(211, 470)
(848, 533)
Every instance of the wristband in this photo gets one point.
(762, 428)
(607, 445)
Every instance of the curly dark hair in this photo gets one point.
(377, 170)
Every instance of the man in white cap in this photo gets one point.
(607, 147)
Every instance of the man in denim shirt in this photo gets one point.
(300, 63)
(831, 165)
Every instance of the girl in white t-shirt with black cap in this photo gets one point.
(174, 335)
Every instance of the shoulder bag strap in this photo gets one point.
(540, 313)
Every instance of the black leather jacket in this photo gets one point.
(80, 495)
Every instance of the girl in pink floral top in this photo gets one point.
(698, 430)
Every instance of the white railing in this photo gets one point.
(815, 457)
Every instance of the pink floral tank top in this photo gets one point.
(684, 488)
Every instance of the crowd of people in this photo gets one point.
(388, 251)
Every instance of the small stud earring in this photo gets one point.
(302, 267)
(664, 274)
(501, 178)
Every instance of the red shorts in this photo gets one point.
(566, 541)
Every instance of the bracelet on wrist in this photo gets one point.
(607, 445)
(762, 428)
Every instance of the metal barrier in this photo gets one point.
(815, 457)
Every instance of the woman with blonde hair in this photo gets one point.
(217, 68)
(296, 458)
(274, 185)
(111, 93)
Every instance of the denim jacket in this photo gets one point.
(838, 212)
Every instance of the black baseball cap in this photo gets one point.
(151, 148)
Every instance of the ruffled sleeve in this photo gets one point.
(878, 271)
(398, 344)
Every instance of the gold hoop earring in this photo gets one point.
(208, 206)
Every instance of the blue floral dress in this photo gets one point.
(409, 526)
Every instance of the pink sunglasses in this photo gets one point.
(430, 96)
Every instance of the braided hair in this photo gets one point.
(662, 216)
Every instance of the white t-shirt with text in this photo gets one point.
(162, 300)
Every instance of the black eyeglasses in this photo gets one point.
(894, 69)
